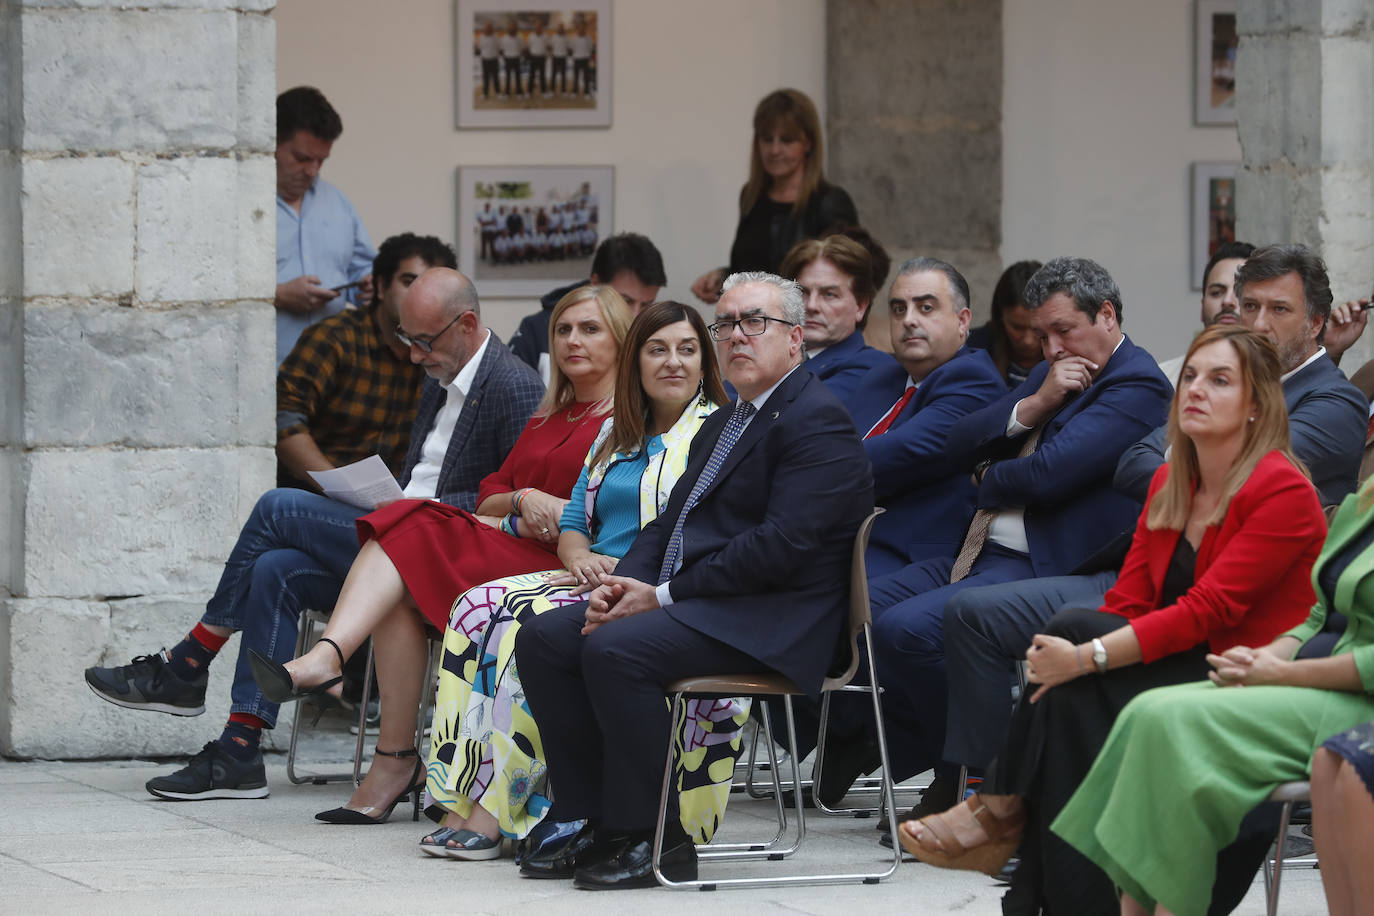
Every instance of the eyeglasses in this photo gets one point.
(752, 326)
(426, 344)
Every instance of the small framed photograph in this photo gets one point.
(533, 63)
(526, 229)
(1214, 62)
(1214, 212)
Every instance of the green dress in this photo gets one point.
(1183, 765)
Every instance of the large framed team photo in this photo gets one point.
(533, 63)
(526, 229)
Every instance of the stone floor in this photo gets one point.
(86, 836)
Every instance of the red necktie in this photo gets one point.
(890, 417)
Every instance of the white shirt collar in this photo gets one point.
(462, 382)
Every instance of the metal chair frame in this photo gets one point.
(1286, 793)
(310, 620)
(860, 624)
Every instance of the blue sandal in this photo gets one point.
(436, 843)
(472, 846)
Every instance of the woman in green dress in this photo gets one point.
(1183, 765)
(486, 775)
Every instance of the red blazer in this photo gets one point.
(1253, 578)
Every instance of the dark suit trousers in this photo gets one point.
(987, 630)
(599, 702)
(908, 615)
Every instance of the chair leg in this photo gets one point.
(304, 630)
(707, 885)
(362, 718)
(1273, 871)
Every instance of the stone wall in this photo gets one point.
(137, 343)
(914, 128)
(1306, 121)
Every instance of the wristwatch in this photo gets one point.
(1100, 656)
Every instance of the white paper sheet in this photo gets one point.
(365, 484)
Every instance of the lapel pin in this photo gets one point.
(775, 415)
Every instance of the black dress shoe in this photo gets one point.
(845, 760)
(560, 860)
(631, 864)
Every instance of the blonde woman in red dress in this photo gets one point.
(418, 554)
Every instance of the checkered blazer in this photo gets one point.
(504, 395)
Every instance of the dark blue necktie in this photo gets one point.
(728, 437)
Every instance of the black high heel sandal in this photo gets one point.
(275, 681)
(356, 815)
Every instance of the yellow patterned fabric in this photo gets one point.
(485, 747)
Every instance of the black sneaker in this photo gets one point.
(213, 774)
(147, 683)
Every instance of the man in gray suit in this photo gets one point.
(297, 546)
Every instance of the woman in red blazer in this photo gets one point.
(1222, 556)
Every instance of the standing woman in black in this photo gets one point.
(787, 198)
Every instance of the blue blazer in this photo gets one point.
(1065, 485)
(504, 394)
(928, 497)
(1327, 419)
(766, 549)
(842, 367)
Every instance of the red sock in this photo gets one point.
(201, 634)
(244, 718)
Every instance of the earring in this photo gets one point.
(1252, 419)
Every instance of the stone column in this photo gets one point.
(914, 128)
(1306, 122)
(136, 343)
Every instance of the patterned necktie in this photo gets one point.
(890, 417)
(978, 529)
(728, 437)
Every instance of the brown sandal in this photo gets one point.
(939, 846)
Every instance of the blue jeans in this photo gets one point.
(293, 553)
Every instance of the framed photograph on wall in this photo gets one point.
(526, 229)
(533, 63)
(1214, 212)
(1214, 62)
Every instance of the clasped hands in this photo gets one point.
(617, 597)
(584, 572)
(1241, 666)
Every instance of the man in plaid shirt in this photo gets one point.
(349, 390)
(297, 546)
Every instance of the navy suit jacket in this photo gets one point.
(1327, 419)
(842, 367)
(766, 550)
(504, 394)
(928, 497)
(1065, 485)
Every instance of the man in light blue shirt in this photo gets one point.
(324, 255)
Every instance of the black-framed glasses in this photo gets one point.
(426, 344)
(751, 325)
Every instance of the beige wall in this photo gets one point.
(687, 77)
(1097, 136)
(1097, 128)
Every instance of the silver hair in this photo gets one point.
(790, 296)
